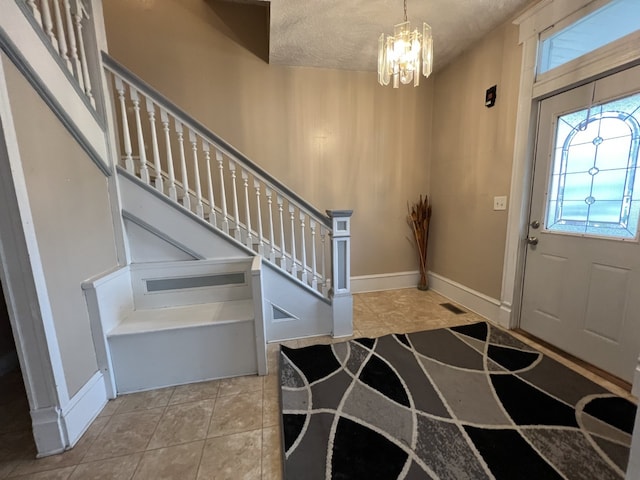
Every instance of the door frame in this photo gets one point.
(614, 57)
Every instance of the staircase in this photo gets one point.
(221, 256)
(224, 258)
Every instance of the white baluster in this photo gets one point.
(314, 271)
(256, 185)
(126, 134)
(48, 24)
(186, 199)
(151, 110)
(303, 247)
(323, 265)
(212, 200)
(35, 11)
(237, 234)
(245, 180)
(294, 267)
(164, 118)
(196, 174)
(223, 193)
(62, 39)
(81, 13)
(272, 250)
(144, 171)
(73, 47)
(283, 255)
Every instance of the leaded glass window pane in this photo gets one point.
(594, 187)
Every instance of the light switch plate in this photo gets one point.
(500, 203)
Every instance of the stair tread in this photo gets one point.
(157, 319)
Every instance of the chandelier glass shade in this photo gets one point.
(401, 56)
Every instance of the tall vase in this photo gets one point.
(423, 284)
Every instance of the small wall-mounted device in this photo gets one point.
(490, 97)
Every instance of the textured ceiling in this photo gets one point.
(344, 34)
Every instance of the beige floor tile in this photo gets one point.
(370, 321)
(271, 454)
(307, 342)
(182, 423)
(195, 392)
(145, 400)
(232, 457)
(119, 468)
(357, 333)
(68, 458)
(271, 406)
(361, 311)
(124, 434)
(235, 385)
(57, 474)
(272, 383)
(111, 407)
(236, 413)
(376, 332)
(171, 463)
(273, 358)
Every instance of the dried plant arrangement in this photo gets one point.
(418, 219)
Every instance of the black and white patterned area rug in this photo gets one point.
(469, 402)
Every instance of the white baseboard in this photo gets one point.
(48, 431)
(8, 362)
(56, 430)
(84, 407)
(471, 299)
(385, 281)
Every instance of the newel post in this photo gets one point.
(341, 298)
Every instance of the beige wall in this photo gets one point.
(336, 137)
(72, 218)
(471, 161)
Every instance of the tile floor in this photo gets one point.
(224, 429)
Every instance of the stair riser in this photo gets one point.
(173, 357)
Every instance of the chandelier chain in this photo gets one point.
(405, 10)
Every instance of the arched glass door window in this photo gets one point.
(595, 185)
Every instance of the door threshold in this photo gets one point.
(609, 377)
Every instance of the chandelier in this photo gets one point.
(400, 55)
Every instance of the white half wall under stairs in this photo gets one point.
(178, 322)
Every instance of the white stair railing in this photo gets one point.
(296, 244)
(64, 23)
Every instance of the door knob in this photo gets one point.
(532, 240)
(535, 224)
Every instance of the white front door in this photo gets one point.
(582, 275)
